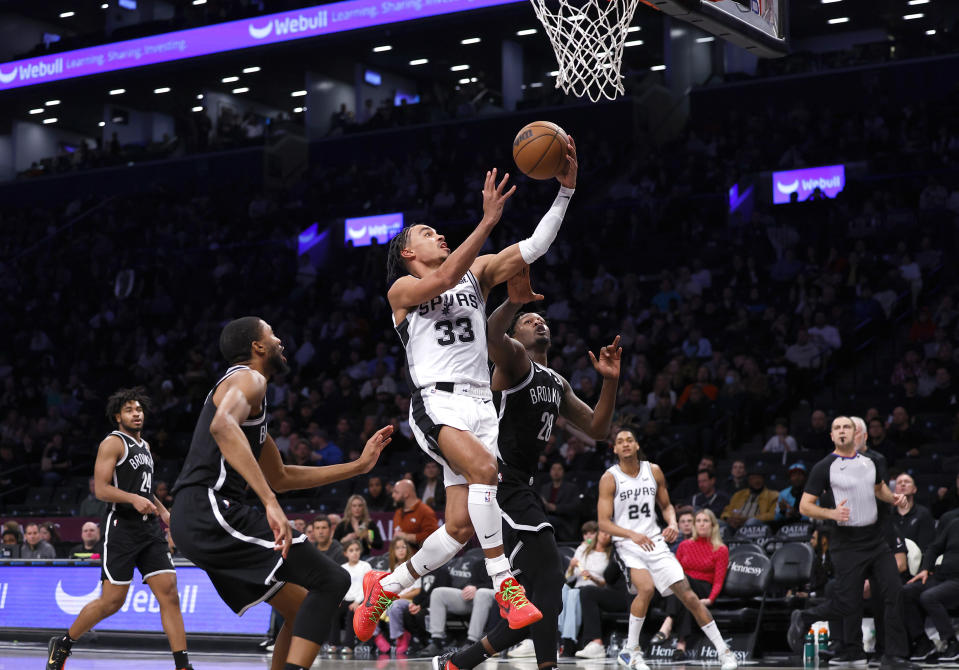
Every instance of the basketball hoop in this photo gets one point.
(588, 39)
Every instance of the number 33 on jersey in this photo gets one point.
(445, 338)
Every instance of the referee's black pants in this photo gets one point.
(852, 562)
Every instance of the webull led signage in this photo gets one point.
(267, 29)
(51, 597)
(830, 179)
(361, 230)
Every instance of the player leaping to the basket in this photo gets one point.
(438, 300)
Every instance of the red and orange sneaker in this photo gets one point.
(375, 602)
(514, 606)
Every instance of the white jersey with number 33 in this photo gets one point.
(634, 503)
(445, 338)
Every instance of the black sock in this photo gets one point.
(181, 659)
(293, 666)
(67, 641)
(470, 657)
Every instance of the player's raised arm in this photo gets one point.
(295, 477)
(508, 355)
(494, 269)
(409, 290)
(596, 421)
(110, 451)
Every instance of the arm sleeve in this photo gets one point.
(534, 246)
(720, 563)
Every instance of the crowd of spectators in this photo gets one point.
(717, 341)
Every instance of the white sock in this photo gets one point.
(499, 570)
(635, 628)
(398, 580)
(712, 632)
(486, 515)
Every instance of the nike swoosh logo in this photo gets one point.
(486, 537)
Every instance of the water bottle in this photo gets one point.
(615, 643)
(809, 657)
(823, 640)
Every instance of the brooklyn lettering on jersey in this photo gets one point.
(637, 492)
(137, 460)
(547, 394)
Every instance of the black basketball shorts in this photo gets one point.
(130, 542)
(232, 542)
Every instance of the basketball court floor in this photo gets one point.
(32, 656)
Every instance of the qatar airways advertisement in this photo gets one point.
(242, 34)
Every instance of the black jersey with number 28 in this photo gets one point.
(133, 473)
(527, 416)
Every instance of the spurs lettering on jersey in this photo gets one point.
(634, 505)
(445, 337)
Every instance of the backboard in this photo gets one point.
(759, 26)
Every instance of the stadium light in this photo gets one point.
(229, 80)
(162, 89)
(39, 110)
(931, 31)
(65, 15)
(51, 103)
(242, 89)
(419, 61)
(47, 122)
(102, 123)
(633, 43)
(470, 40)
(459, 68)
(658, 68)
(910, 17)
(117, 91)
(705, 40)
(251, 70)
(526, 31)
(297, 94)
(196, 109)
(841, 19)
(381, 48)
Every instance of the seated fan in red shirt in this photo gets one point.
(704, 558)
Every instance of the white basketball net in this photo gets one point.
(588, 40)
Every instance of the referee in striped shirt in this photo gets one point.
(850, 483)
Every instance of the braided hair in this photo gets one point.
(395, 263)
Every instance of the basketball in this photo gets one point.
(539, 150)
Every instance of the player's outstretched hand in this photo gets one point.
(567, 177)
(494, 198)
(144, 506)
(608, 362)
(520, 290)
(374, 447)
(280, 525)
